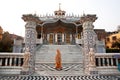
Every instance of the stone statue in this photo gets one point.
(92, 57)
(58, 65)
(26, 58)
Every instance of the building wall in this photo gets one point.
(112, 38)
(1, 32)
(101, 34)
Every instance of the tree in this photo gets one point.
(6, 43)
(116, 44)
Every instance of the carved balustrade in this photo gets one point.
(107, 63)
(106, 59)
(11, 59)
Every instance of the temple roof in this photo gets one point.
(59, 15)
(49, 19)
(60, 22)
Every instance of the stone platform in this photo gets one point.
(83, 77)
(67, 69)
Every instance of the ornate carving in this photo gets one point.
(26, 58)
(89, 18)
(30, 42)
(92, 57)
(89, 38)
(33, 18)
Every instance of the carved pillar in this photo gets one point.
(6, 61)
(116, 61)
(70, 38)
(103, 61)
(10, 61)
(111, 61)
(99, 63)
(108, 63)
(55, 37)
(30, 43)
(89, 38)
(19, 59)
(41, 32)
(0, 62)
(48, 37)
(15, 61)
(63, 37)
(76, 32)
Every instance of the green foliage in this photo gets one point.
(116, 44)
(6, 44)
(115, 47)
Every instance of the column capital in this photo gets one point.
(30, 24)
(88, 18)
(30, 17)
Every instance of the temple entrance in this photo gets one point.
(58, 32)
(59, 38)
(68, 38)
(51, 38)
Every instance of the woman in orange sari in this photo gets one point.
(58, 65)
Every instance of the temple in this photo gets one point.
(82, 52)
(58, 29)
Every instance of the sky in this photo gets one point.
(11, 11)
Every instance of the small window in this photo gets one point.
(114, 38)
(108, 39)
(55, 13)
(59, 13)
(63, 13)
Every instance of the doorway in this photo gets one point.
(59, 38)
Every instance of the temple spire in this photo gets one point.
(59, 13)
(59, 6)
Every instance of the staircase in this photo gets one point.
(72, 60)
(69, 53)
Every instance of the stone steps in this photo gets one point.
(81, 77)
(47, 53)
(72, 60)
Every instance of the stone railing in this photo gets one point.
(107, 63)
(78, 41)
(39, 41)
(11, 63)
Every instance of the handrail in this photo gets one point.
(11, 54)
(107, 59)
(106, 54)
(11, 59)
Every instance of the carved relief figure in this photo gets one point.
(26, 58)
(58, 65)
(91, 57)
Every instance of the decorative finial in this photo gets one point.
(59, 6)
(83, 13)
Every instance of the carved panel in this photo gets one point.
(30, 42)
